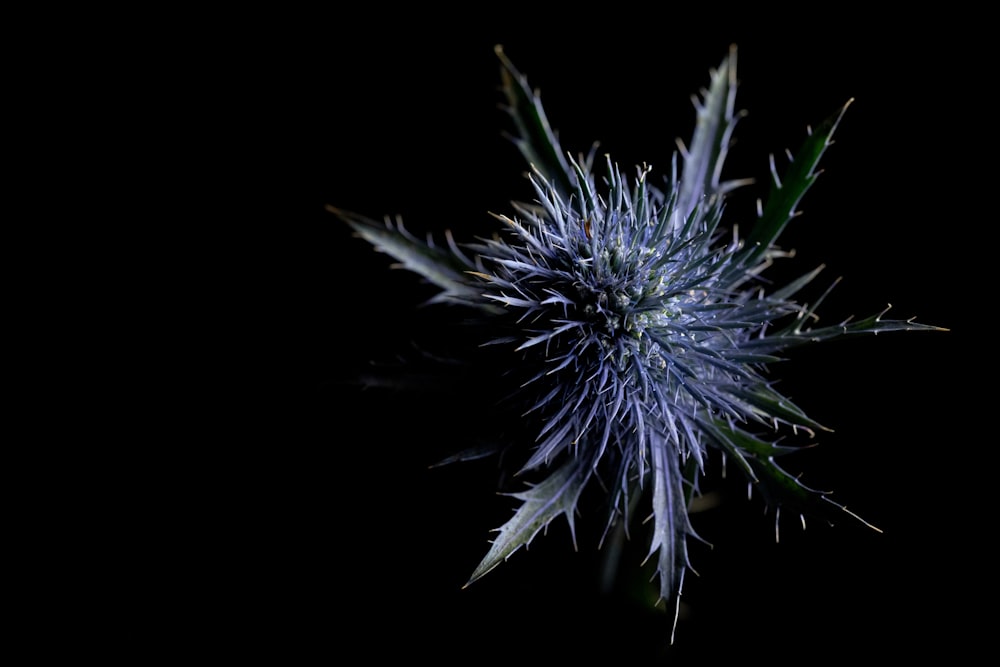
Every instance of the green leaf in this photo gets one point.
(795, 335)
(737, 440)
(772, 405)
(543, 502)
(716, 120)
(786, 193)
(446, 270)
(535, 138)
(781, 489)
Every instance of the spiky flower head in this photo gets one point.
(636, 330)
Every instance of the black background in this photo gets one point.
(337, 538)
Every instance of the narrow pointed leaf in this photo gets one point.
(535, 137)
(704, 158)
(782, 489)
(776, 406)
(442, 269)
(792, 337)
(786, 193)
(542, 503)
(670, 519)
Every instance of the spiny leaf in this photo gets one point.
(670, 521)
(794, 335)
(744, 442)
(783, 490)
(535, 138)
(715, 123)
(786, 193)
(442, 268)
(779, 489)
(774, 405)
(543, 502)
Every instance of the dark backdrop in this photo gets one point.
(341, 538)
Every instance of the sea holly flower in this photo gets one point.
(634, 331)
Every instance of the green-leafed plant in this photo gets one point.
(634, 332)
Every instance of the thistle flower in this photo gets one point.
(634, 331)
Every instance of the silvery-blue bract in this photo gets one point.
(638, 329)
